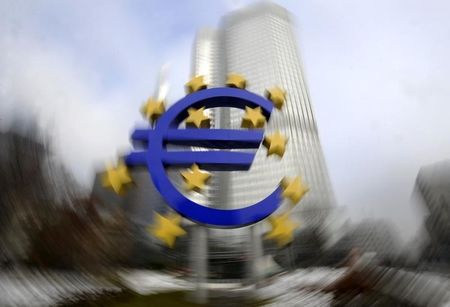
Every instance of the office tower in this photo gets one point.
(259, 42)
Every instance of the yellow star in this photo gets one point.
(275, 144)
(117, 178)
(153, 109)
(294, 189)
(197, 118)
(195, 179)
(235, 80)
(196, 84)
(282, 229)
(167, 228)
(277, 96)
(253, 118)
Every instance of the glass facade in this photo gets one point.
(259, 43)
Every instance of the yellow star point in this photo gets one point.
(277, 96)
(195, 179)
(294, 189)
(153, 109)
(237, 81)
(167, 228)
(275, 144)
(197, 118)
(117, 178)
(282, 229)
(195, 84)
(253, 118)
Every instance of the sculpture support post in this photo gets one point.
(199, 263)
(256, 255)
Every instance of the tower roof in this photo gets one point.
(256, 10)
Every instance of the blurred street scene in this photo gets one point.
(62, 244)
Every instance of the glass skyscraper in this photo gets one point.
(259, 43)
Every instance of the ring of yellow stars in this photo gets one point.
(153, 109)
(196, 84)
(197, 118)
(282, 229)
(294, 189)
(253, 118)
(195, 179)
(277, 96)
(237, 81)
(275, 144)
(117, 178)
(167, 228)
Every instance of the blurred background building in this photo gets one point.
(24, 187)
(433, 190)
(374, 235)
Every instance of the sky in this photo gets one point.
(377, 73)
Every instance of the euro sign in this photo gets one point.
(157, 158)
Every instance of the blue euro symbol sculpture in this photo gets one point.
(157, 158)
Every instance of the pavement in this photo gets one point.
(25, 287)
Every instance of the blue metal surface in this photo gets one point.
(211, 138)
(166, 131)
